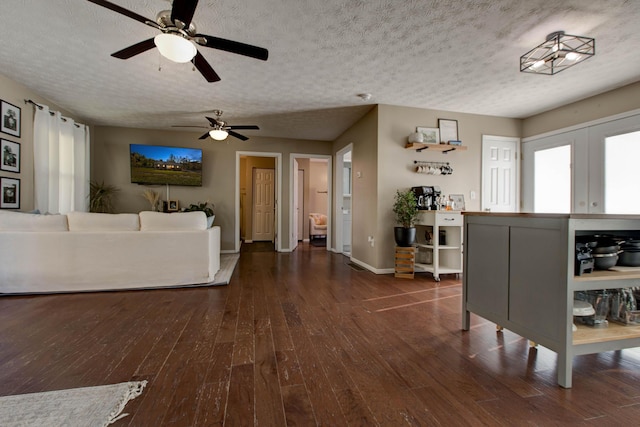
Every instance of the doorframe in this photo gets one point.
(278, 195)
(518, 166)
(295, 156)
(339, 247)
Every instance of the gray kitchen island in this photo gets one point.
(519, 272)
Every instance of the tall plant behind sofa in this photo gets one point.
(101, 197)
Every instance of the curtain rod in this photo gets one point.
(40, 107)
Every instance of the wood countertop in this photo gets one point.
(551, 215)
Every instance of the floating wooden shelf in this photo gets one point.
(445, 148)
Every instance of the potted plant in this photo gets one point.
(205, 207)
(101, 197)
(405, 207)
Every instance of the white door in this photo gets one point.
(499, 174)
(555, 174)
(296, 207)
(614, 150)
(263, 204)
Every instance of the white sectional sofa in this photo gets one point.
(93, 252)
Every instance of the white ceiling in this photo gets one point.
(448, 55)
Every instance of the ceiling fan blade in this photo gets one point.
(134, 50)
(205, 69)
(205, 136)
(184, 126)
(237, 135)
(235, 47)
(183, 11)
(253, 127)
(121, 10)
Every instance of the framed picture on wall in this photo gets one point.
(448, 130)
(429, 135)
(10, 154)
(10, 117)
(9, 193)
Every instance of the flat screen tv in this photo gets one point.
(155, 164)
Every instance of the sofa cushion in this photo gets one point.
(19, 221)
(89, 221)
(159, 221)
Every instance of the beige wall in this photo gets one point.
(16, 94)
(396, 169)
(614, 102)
(364, 137)
(318, 190)
(110, 163)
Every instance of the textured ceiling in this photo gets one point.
(449, 55)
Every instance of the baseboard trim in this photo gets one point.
(372, 269)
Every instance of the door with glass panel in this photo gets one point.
(590, 170)
(553, 174)
(615, 174)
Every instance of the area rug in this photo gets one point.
(227, 265)
(87, 406)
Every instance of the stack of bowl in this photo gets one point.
(606, 251)
(630, 255)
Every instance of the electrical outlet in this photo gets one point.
(472, 195)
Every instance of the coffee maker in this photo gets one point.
(427, 197)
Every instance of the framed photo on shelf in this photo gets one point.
(448, 130)
(10, 152)
(458, 201)
(10, 116)
(9, 193)
(173, 206)
(429, 135)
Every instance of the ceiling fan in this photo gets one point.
(178, 38)
(220, 130)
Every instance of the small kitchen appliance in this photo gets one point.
(427, 197)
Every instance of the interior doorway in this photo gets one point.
(343, 200)
(311, 192)
(258, 192)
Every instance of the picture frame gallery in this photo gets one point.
(9, 156)
(10, 119)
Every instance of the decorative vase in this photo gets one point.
(405, 236)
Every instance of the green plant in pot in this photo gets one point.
(101, 197)
(205, 207)
(405, 208)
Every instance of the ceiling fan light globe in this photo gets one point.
(175, 48)
(218, 134)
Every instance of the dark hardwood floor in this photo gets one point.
(304, 339)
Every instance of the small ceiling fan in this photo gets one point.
(178, 38)
(220, 130)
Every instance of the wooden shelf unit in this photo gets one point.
(447, 259)
(405, 262)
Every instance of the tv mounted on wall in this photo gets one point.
(155, 164)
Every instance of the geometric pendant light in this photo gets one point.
(559, 52)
